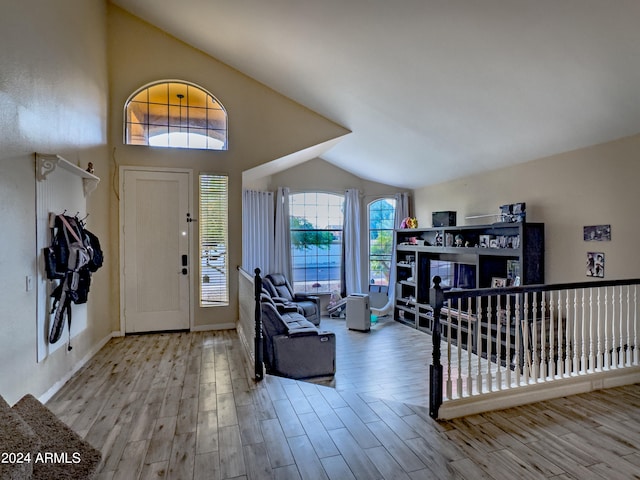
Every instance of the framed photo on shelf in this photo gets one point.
(498, 282)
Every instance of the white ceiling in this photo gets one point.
(432, 89)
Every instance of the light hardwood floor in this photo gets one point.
(184, 406)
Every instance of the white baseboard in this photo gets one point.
(218, 326)
(538, 392)
(46, 396)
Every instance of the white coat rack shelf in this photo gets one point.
(47, 163)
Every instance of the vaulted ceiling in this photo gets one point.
(432, 89)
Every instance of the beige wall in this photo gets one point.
(53, 99)
(590, 186)
(263, 126)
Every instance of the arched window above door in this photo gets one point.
(175, 114)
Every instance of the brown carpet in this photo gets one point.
(62, 454)
(17, 438)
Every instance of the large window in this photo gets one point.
(175, 114)
(316, 241)
(213, 223)
(381, 217)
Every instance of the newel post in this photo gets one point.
(257, 345)
(436, 299)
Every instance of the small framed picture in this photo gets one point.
(595, 264)
(484, 241)
(498, 282)
(598, 233)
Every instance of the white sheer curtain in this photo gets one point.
(352, 242)
(257, 230)
(282, 251)
(402, 212)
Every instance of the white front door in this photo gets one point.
(155, 261)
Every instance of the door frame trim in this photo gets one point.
(121, 170)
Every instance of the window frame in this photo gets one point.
(192, 131)
(380, 257)
(206, 259)
(331, 281)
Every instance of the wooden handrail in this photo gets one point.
(483, 292)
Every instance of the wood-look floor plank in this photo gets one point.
(231, 454)
(318, 436)
(386, 464)
(183, 452)
(337, 468)
(354, 455)
(276, 443)
(309, 465)
(184, 406)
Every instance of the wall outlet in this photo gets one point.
(29, 283)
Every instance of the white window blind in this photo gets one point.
(213, 222)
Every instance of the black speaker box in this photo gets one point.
(444, 219)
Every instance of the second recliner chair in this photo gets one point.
(280, 289)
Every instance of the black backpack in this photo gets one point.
(73, 255)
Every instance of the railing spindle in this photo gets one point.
(449, 384)
(518, 357)
(543, 337)
(534, 340)
(592, 339)
(469, 347)
(526, 347)
(459, 350)
(479, 379)
(577, 368)
(499, 342)
(599, 353)
(507, 353)
(567, 342)
(489, 344)
(636, 355)
(628, 351)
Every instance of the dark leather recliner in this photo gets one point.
(293, 346)
(280, 290)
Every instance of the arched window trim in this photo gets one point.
(126, 123)
(379, 262)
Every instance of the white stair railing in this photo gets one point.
(515, 344)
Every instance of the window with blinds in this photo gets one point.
(213, 222)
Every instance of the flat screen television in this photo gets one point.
(455, 275)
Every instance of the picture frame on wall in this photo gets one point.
(597, 233)
(595, 264)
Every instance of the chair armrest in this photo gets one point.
(304, 296)
(303, 332)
